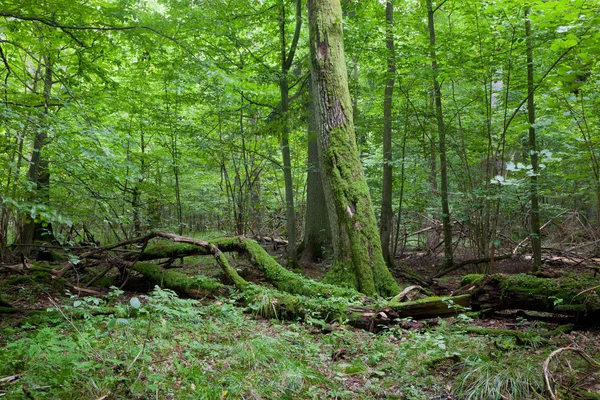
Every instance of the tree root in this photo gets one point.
(550, 380)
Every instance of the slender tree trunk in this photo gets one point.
(286, 63)
(174, 150)
(317, 233)
(38, 173)
(536, 243)
(401, 196)
(358, 261)
(386, 221)
(437, 93)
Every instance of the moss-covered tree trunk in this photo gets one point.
(358, 260)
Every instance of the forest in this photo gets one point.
(321, 199)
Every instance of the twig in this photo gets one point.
(586, 290)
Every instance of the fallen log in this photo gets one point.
(274, 273)
(293, 296)
(565, 295)
(431, 307)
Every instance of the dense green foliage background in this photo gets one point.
(165, 114)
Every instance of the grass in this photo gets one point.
(161, 346)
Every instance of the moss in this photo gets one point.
(283, 279)
(106, 281)
(521, 337)
(169, 249)
(570, 308)
(179, 282)
(472, 279)
(431, 306)
(40, 273)
(341, 276)
(559, 330)
(564, 289)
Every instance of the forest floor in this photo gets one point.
(147, 343)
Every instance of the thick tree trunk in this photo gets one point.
(386, 222)
(536, 243)
(358, 261)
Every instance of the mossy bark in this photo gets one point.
(274, 273)
(358, 261)
(566, 295)
(431, 306)
(293, 296)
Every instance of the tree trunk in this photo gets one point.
(358, 261)
(536, 243)
(386, 222)
(38, 173)
(286, 63)
(437, 93)
(317, 234)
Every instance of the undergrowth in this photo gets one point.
(161, 346)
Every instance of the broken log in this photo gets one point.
(431, 307)
(275, 274)
(295, 297)
(528, 292)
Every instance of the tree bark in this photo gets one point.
(386, 222)
(536, 243)
(358, 260)
(317, 233)
(286, 63)
(38, 173)
(566, 295)
(441, 127)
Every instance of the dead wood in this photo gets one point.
(294, 296)
(551, 379)
(477, 261)
(566, 295)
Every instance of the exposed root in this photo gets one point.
(552, 379)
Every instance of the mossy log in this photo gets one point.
(271, 303)
(275, 274)
(430, 307)
(292, 296)
(566, 295)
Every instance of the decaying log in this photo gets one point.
(294, 296)
(528, 292)
(431, 307)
